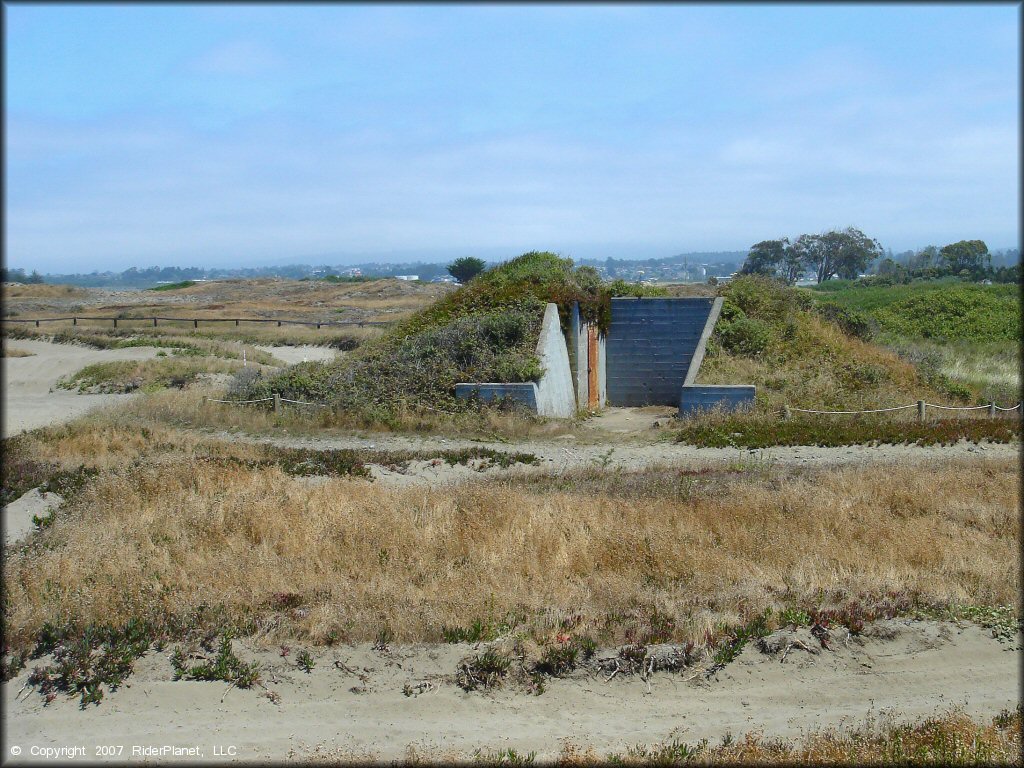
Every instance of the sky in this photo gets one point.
(249, 135)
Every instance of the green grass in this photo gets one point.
(343, 279)
(945, 309)
(963, 338)
(831, 431)
(173, 286)
(349, 462)
(120, 376)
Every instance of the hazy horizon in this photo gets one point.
(229, 135)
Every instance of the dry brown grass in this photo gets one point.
(189, 409)
(35, 291)
(6, 351)
(950, 738)
(833, 372)
(158, 540)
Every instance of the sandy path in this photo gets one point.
(28, 400)
(299, 354)
(914, 668)
(560, 455)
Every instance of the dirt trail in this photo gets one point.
(359, 708)
(563, 454)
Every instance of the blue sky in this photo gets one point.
(244, 135)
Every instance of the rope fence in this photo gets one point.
(920, 405)
(276, 399)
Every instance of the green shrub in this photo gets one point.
(486, 670)
(225, 666)
(173, 286)
(853, 323)
(744, 336)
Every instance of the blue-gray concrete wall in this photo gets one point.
(650, 345)
(525, 392)
(706, 397)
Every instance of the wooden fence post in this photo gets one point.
(920, 410)
(277, 402)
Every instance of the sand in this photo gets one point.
(17, 516)
(30, 398)
(561, 455)
(358, 709)
(291, 355)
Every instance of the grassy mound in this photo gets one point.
(485, 331)
(775, 337)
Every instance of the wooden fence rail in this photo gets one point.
(196, 320)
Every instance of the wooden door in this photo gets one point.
(592, 355)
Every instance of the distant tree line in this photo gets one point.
(144, 278)
(966, 259)
(19, 276)
(849, 253)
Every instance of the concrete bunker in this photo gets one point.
(650, 356)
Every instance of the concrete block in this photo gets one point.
(555, 393)
(705, 397)
(525, 392)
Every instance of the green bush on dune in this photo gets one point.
(807, 354)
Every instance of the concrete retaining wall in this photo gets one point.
(705, 397)
(525, 392)
(651, 344)
(554, 394)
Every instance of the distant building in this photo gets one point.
(407, 277)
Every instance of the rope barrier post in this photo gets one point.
(992, 410)
(74, 321)
(277, 402)
(786, 413)
(154, 322)
(236, 322)
(37, 323)
(195, 323)
(115, 322)
(278, 323)
(920, 410)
